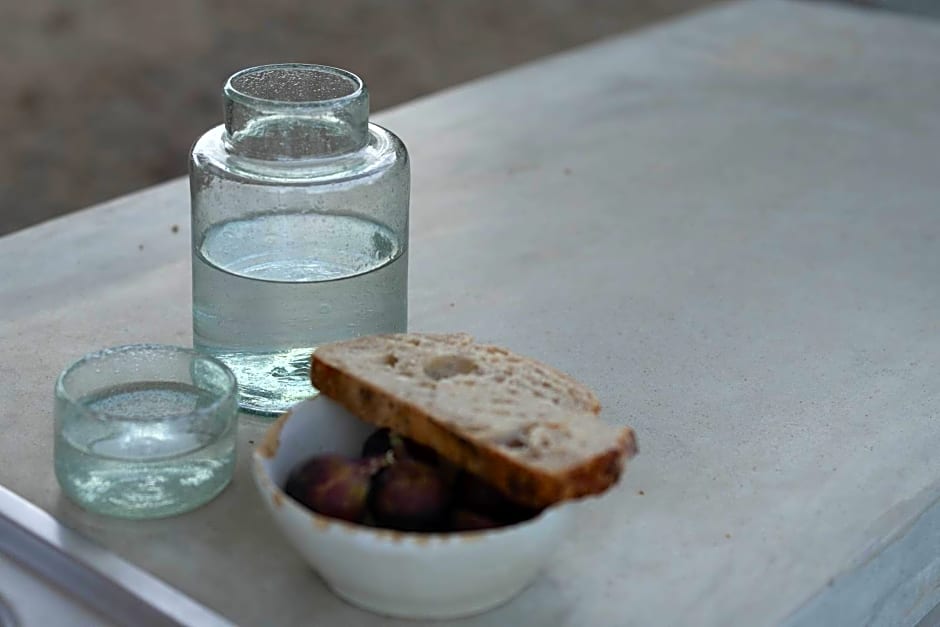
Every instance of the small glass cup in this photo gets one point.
(145, 431)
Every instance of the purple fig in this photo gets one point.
(409, 496)
(334, 486)
(468, 520)
(384, 440)
(420, 452)
(475, 494)
(378, 444)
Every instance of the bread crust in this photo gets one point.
(524, 483)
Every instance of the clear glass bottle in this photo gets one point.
(299, 226)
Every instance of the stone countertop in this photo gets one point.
(727, 226)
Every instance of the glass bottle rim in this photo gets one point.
(234, 93)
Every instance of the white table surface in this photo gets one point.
(727, 225)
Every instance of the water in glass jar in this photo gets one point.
(269, 288)
(163, 460)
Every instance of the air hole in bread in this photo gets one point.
(515, 442)
(447, 366)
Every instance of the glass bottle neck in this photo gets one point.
(295, 111)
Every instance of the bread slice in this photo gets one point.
(530, 430)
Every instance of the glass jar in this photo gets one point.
(299, 226)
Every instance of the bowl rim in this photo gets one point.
(266, 450)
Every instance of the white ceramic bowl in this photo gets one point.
(411, 575)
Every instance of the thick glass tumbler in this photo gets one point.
(300, 228)
(145, 431)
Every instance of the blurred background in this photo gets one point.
(104, 97)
